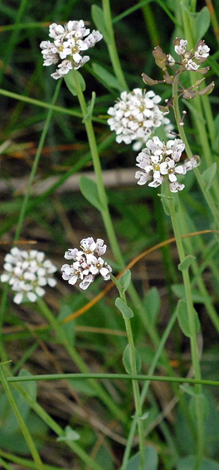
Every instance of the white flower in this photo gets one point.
(26, 272)
(202, 51)
(191, 65)
(180, 47)
(158, 161)
(87, 263)
(135, 116)
(191, 59)
(70, 41)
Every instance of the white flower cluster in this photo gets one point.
(27, 272)
(69, 42)
(87, 263)
(191, 59)
(135, 116)
(159, 160)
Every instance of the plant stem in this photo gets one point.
(23, 427)
(111, 44)
(61, 336)
(182, 134)
(146, 387)
(35, 165)
(98, 172)
(77, 449)
(136, 393)
(193, 336)
(135, 383)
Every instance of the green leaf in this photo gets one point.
(203, 405)
(99, 21)
(188, 390)
(123, 308)
(151, 460)
(28, 387)
(202, 22)
(70, 435)
(165, 199)
(183, 318)
(89, 190)
(209, 175)
(106, 77)
(125, 280)
(188, 462)
(104, 458)
(179, 291)
(186, 263)
(70, 81)
(152, 305)
(126, 360)
(194, 111)
(90, 108)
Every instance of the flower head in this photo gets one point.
(27, 272)
(158, 161)
(87, 263)
(135, 116)
(191, 59)
(69, 42)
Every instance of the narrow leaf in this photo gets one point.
(90, 108)
(209, 175)
(151, 460)
(106, 77)
(203, 406)
(152, 305)
(70, 435)
(88, 188)
(179, 291)
(125, 280)
(70, 82)
(183, 318)
(202, 22)
(182, 314)
(186, 263)
(126, 360)
(99, 21)
(186, 463)
(194, 111)
(123, 308)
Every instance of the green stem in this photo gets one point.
(135, 383)
(151, 25)
(107, 219)
(25, 463)
(136, 393)
(35, 165)
(62, 338)
(193, 336)
(57, 429)
(182, 134)
(98, 172)
(146, 387)
(111, 44)
(190, 33)
(23, 427)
